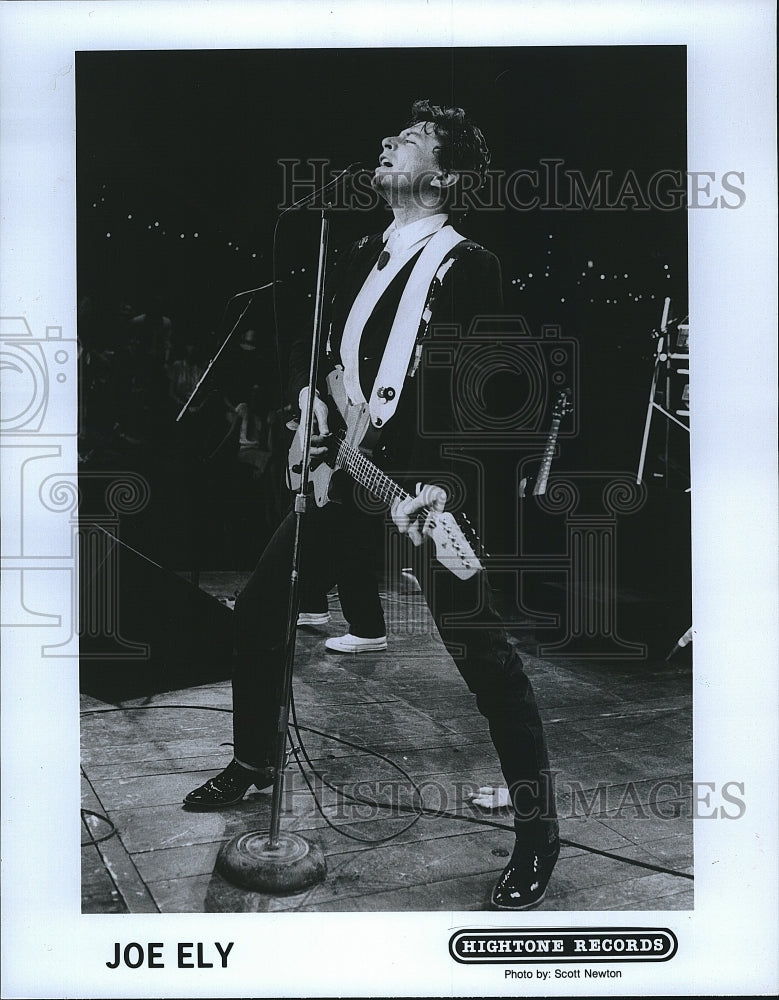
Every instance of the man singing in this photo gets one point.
(391, 292)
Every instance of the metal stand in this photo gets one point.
(666, 365)
(194, 575)
(285, 862)
(251, 292)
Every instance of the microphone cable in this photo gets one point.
(416, 811)
(422, 810)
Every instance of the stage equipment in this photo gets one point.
(277, 862)
(669, 390)
(251, 293)
(143, 628)
(681, 642)
(671, 382)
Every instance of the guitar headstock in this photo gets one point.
(452, 548)
(563, 405)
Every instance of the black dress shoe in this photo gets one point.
(228, 787)
(524, 880)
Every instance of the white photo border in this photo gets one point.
(728, 944)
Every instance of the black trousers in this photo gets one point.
(358, 595)
(338, 538)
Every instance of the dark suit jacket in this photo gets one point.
(425, 423)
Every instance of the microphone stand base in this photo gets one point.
(292, 865)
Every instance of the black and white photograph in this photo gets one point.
(533, 703)
(387, 478)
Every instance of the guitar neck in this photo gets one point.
(452, 548)
(369, 475)
(546, 462)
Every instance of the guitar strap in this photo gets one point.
(409, 324)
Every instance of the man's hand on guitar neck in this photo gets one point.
(319, 428)
(404, 511)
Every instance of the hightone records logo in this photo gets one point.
(553, 944)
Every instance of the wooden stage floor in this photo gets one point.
(620, 740)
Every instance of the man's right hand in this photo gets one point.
(319, 428)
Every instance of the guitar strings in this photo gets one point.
(386, 488)
(372, 476)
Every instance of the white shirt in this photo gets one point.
(402, 243)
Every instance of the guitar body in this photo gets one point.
(353, 421)
(352, 440)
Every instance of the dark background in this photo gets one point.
(173, 143)
(192, 139)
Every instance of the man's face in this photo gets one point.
(408, 166)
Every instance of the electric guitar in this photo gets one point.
(350, 450)
(562, 407)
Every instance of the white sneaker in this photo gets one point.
(354, 644)
(491, 798)
(311, 618)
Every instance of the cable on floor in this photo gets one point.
(341, 829)
(417, 811)
(104, 819)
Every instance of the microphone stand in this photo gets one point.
(251, 293)
(275, 862)
(195, 571)
(301, 504)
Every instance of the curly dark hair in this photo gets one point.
(462, 144)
